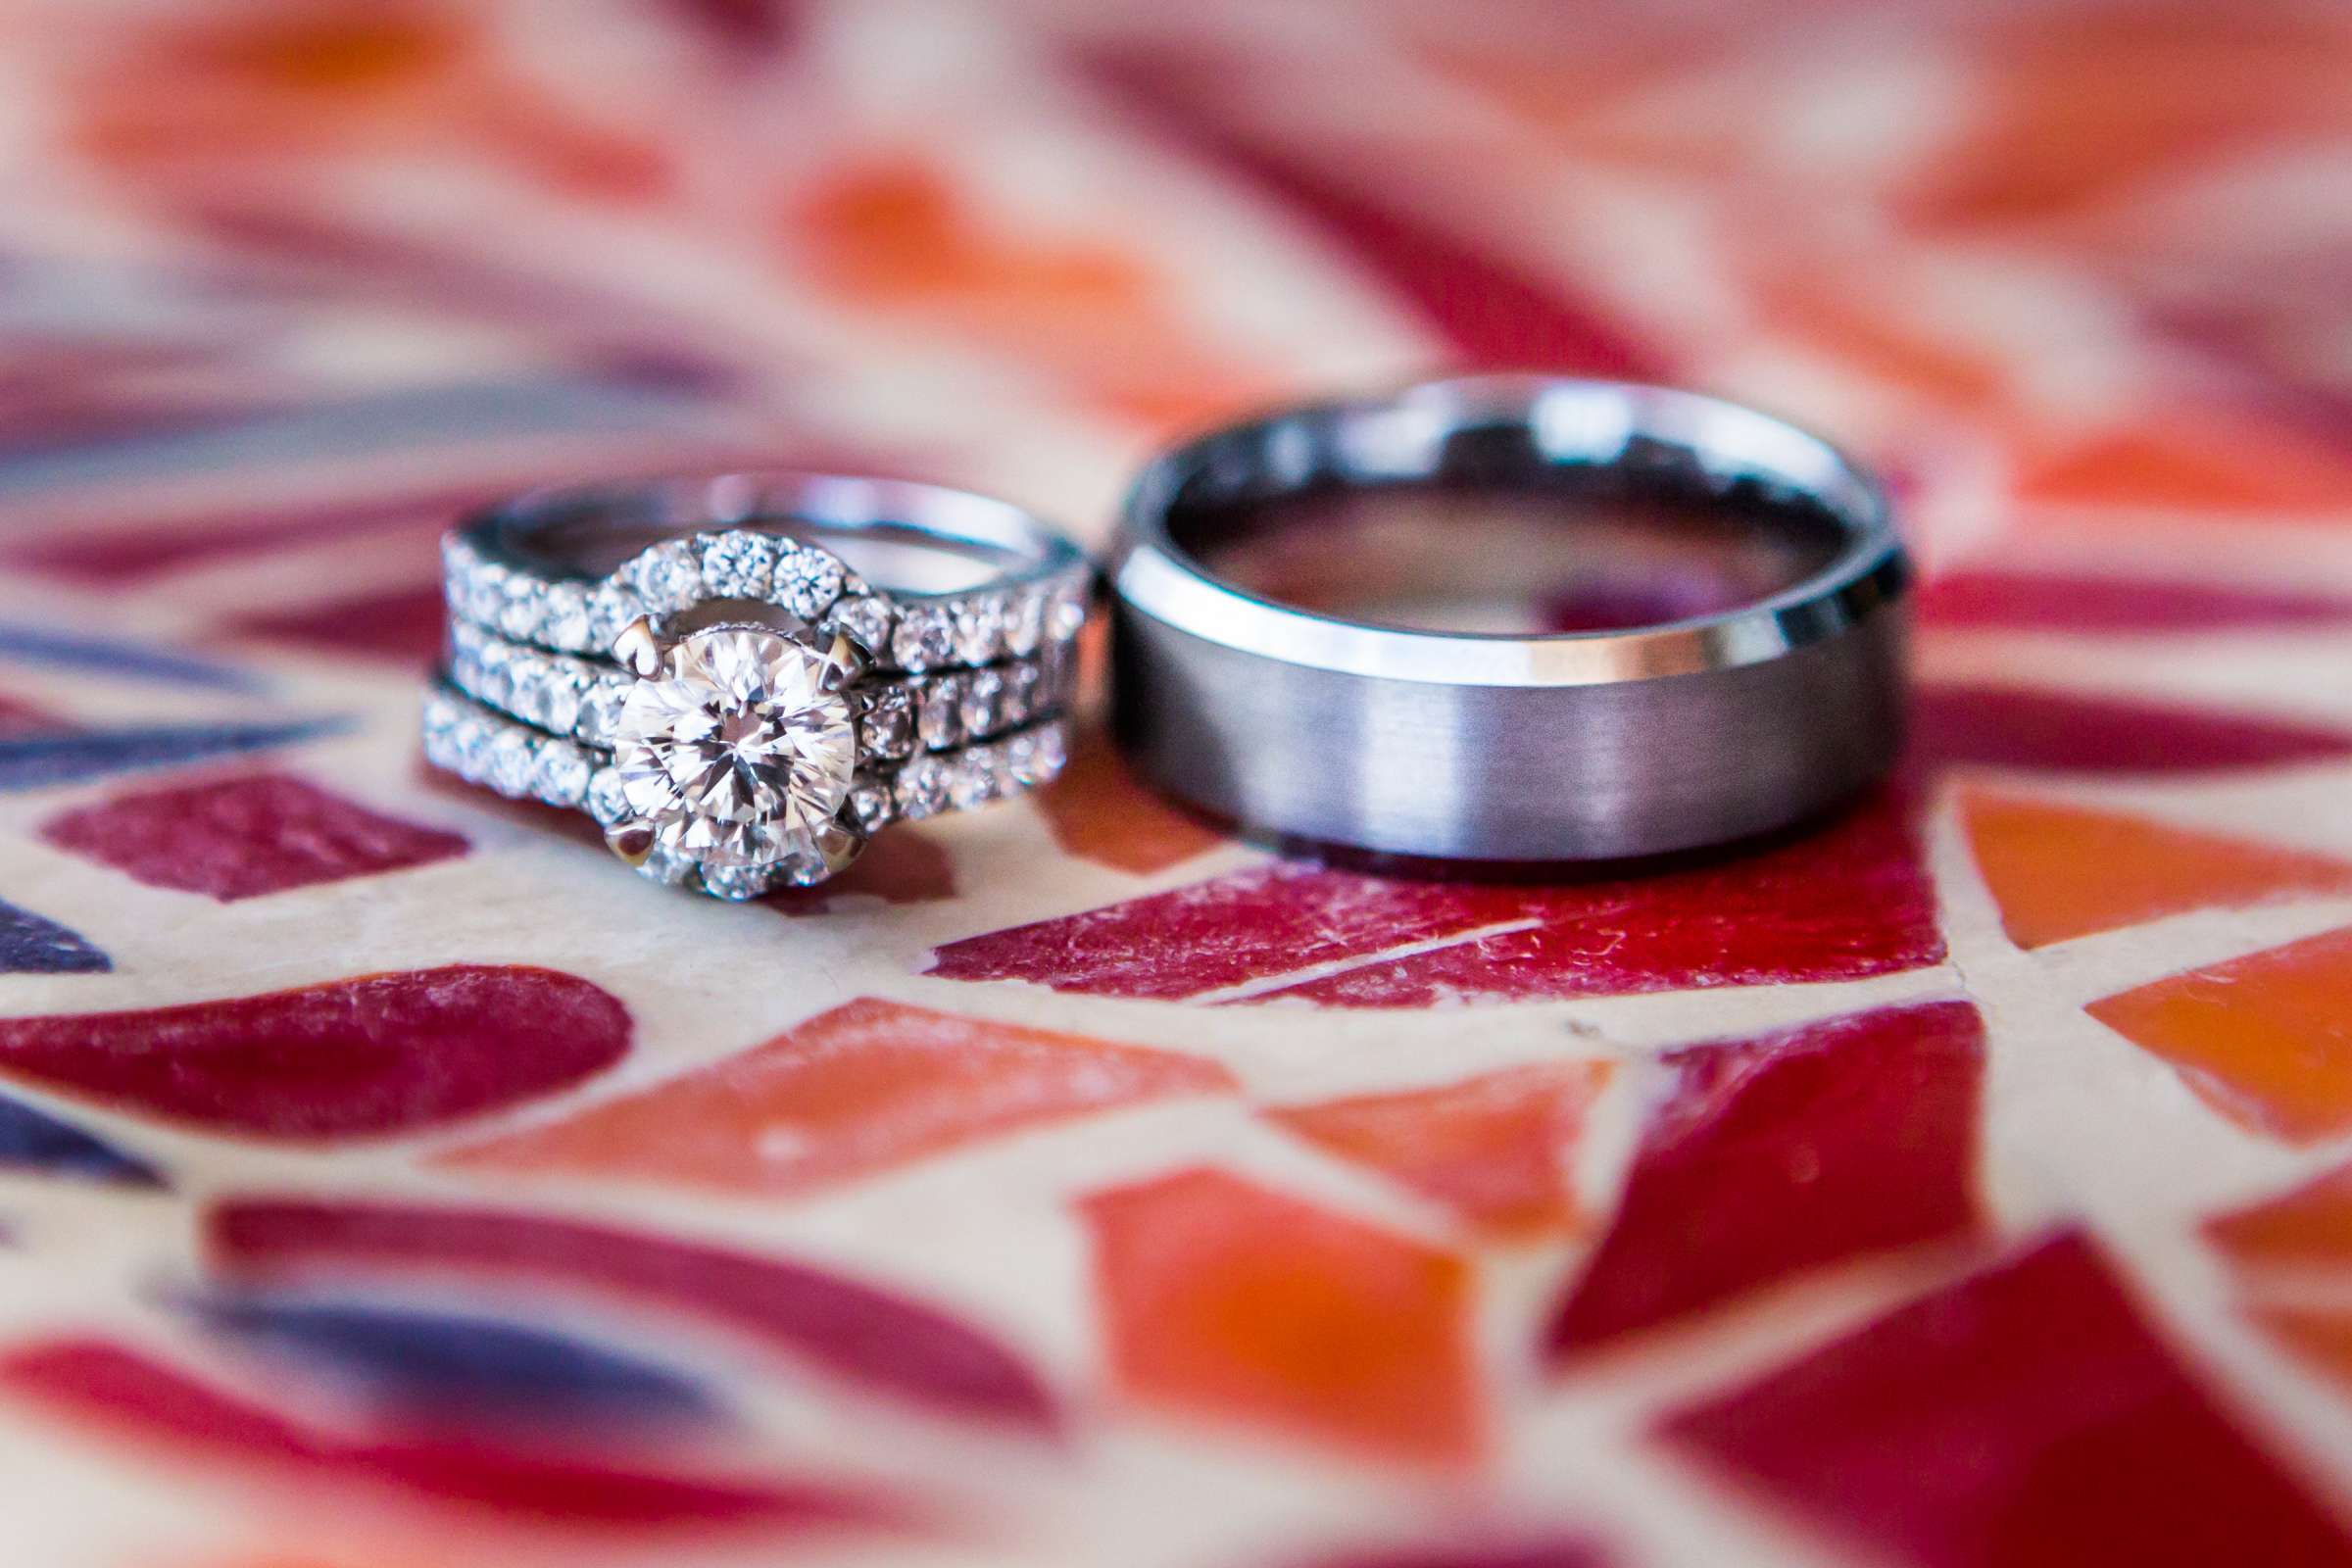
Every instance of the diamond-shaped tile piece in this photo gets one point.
(2262, 1037)
(1221, 1298)
(1769, 1156)
(376, 1055)
(2062, 872)
(1494, 1148)
(869, 1085)
(2025, 1417)
(246, 835)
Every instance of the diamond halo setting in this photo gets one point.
(737, 749)
(736, 706)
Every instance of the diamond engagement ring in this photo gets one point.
(709, 668)
(1510, 618)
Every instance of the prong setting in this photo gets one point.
(638, 649)
(632, 842)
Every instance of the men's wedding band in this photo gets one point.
(743, 678)
(1473, 746)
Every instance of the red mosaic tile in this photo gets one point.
(1770, 1157)
(373, 1055)
(244, 836)
(124, 1393)
(2025, 1417)
(1993, 726)
(405, 625)
(1843, 901)
(1993, 599)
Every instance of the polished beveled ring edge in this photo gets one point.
(1403, 438)
(1577, 746)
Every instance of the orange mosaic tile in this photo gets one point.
(2265, 1038)
(1494, 1148)
(1223, 1299)
(864, 1087)
(2062, 872)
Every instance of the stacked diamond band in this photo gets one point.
(744, 678)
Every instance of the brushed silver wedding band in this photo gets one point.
(1467, 746)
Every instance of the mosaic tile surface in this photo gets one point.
(388, 1179)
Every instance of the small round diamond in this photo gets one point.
(521, 614)
(740, 750)
(610, 608)
(494, 679)
(599, 712)
(865, 620)
(926, 638)
(979, 631)
(937, 715)
(889, 726)
(468, 748)
(561, 775)
(607, 797)
(738, 882)
(872, 806)
(737, 565)
(983, 705)
(1025, 621)
(509, 769)
(485, 593)
(972, 781)
(1065, 617)
(667, 866)
(922, 788)
(560, 700)
(806, 582)
(567, 625)
(1021, 694)
(667, 576)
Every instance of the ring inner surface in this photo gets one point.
(1565, 550)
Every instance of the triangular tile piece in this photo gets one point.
(31, 944)
(2265, 1038)
(2062, 872)
(34, 1140)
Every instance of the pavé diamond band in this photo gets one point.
(743, 678)
(1660, 733)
